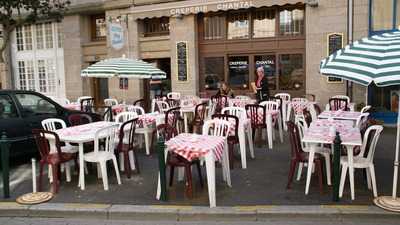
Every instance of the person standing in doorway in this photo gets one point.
(261, 85)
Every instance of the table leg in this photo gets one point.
(250, 139)
(242, 145)
(310, 166)
(81, 168)
(269, 130)
(289, 111)
(185, 118)
(351, 170)
(158, 194)
(210, 167)
(280, 127)
(225, 162)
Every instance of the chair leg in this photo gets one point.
(199, 172)
(67, 166)
(127, 166)
(171, 175)
(116, 170)
(368, 176)
(103, 167)
(342, 180)
(136, 160)
(54, 169)
(291, 173)
(41, 165)
(231, 158)
(320, 176)
(373, 178)
(299, 171)
(189, 190)
(121, 161)
(328, 168)
(147, 143)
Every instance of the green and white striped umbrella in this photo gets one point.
(123, 68)
(372, 59)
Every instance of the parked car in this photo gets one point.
(22, 111)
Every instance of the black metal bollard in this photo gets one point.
(5, 167)
(161, 166)
(336, 167)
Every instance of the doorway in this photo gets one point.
(157, 87)
(100, 90)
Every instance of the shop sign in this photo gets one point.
(116, 36)
(182, 61)
(205, 8)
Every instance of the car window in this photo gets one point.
(7, 108)
(34, 104)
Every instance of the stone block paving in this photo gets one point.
(262, 183)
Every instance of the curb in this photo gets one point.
(190, 213)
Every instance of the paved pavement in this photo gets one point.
(263, 183)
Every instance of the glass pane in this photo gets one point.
(213, 72)
(49, 35)
(34, 105)
(51, 76)
(30, 75)
(269, 64)
(264, 23)
(382, 15)
(291, 72)
(60, 35)
(39, 36)
(291, 22)
(238, 71)
(214, 27)
(42, 76)
(238, 25)
(19, 37)
(22, 75)
(101, 30)
(28, 37)
(7, 108)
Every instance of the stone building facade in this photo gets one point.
(294, 38)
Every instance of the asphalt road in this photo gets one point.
(288, 221)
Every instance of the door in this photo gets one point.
(100, 90)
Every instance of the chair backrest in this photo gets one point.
(336, 104)
(274, 99)
(127, 133)
(307, 116)
(53, 124)
(200, 112)
(125, 116)
(136, 109)
(302, 127)
(313, 112)
(369, 142)
(295, 142)
(362, 118)
(110, 102)
(239, 112)
(139, 102)
(174, 95)
(104, 138)
(47, 142)
(253, 111)
(82, 97)
(233, 120)
(270, 105)
(216, 127)
(218, 102)
(342, 97)
(79, 119)
(166, 131)
(299, 100)
(283, 96)
(243, 97)
(172, 116)
(365, 109)
(87, 104)
(162, 106)
(173, 102)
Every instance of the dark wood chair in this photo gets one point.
(220, 101)
(172, 102)
(336, 104)
(126, 144)
(55, 159)
(307, 116)
(172, 120)
(79, 119)
(174, 160)
(298, 156)
(199, 116)
(233, 138)
(257, 122)
(87, 104)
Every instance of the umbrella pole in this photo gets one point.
(392, 203)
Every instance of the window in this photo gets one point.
(28, 37)
(382, 15)
(48, 31)
(51, 76)
(39, 36)
(238, 25)
(35, 105)
(156, 26)
(42, 75)
(291, 21)
(123, 83)
(214, 27)
(60, 36)
(264, 23)
(213, 72)
(99, 27)
(19, 37)
(238, 71)
(291, 72)
(22, 75)
(269, 64)
(7, 108)
(26, 75)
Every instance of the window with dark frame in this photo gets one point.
(238, 25)
(98, 27)
(291, 72)
(264, 23)
(238, 67)
(123, 83)
(214, 71)
(214, 27)
(291, 21)
(156, 26)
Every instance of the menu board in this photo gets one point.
(335, 42)
(182, 58)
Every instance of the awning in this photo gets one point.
(201, 6)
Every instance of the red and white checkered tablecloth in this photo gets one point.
(329, 123)
(241, 102)
(83, 129)
(298, 106)
(348, 134)
(118, 108)
(346, 115)
(148, 119)
(194, 146)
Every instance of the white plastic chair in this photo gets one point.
(134, 108)
(342, 97)
(110, 102)
(243, 130)
(53, 124)
(272, 106)
(299, 100)
(362, 162)
(81, 98)
(104, 152)
(174, 95)
(243, 97)
(219, 127)
(361, 119)
(162, 106)
(283, 96)
(365, 109)
(125, 116)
